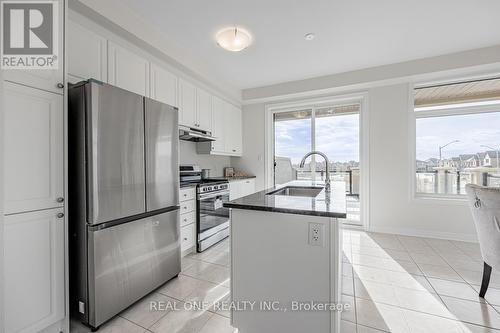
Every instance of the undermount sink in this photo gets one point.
(297, 191)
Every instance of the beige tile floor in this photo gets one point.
(394, 284)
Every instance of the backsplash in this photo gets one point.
(216, 164)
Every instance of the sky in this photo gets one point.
(471, 130)
(338, 137)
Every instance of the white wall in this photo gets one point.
(392, 206)
(216, 164)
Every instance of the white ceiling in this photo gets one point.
(350, 34)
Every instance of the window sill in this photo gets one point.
(440, 199)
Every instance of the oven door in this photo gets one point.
(212, 216)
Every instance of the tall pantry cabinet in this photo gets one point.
(34, 198)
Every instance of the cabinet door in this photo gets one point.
(163, 86)
(128, 70)
(187, 104)
(33, 149)
(43, 78)
(234, 135)
(218, 124)
(87, 54)
(34, 270)
(234, 190)
(204, 108)
(248, 186)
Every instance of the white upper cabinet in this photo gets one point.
(127, 70)
(87, 54)
(33, 270)
(163, 86)
(187, 104)
(33, 149)
(204, 110)
(50, 80)
(234, 135)
(218, 125)
(226, 128)
(195, 106)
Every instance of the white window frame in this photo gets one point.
(459, 199)
(360, 98)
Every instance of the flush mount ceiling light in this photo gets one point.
(309, 36)
(233, 39)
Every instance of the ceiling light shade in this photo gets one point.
(233, 39)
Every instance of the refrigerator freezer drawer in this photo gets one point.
(128, 261)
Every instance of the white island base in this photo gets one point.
(273, 260)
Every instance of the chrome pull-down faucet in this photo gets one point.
(327, 178)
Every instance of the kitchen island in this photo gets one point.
(286, 257)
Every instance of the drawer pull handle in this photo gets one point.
(185, 220)
(60, 85)
(185, 194)
(185, 239)
(60, 215)
(60, 199)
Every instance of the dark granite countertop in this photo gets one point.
(332, 205)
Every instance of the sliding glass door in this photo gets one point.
(333, 130)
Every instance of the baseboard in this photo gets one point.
(427, 233)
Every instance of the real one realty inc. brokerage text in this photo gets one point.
(267, 305)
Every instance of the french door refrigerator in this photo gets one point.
(124, 205)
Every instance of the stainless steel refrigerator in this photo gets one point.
(123, 203)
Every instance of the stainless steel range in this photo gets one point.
(212, 222)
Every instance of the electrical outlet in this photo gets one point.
(316, 234)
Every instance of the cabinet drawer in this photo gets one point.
(187, 237)
(188, 206)
(187, 194)
(188, 218)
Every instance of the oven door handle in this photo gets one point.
(213, 194)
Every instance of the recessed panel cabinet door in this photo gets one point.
(187, 104)
(204, 108)
(33, 270)
(87, 54)
(218, 124)
(128, 70)
(33, 149)
(163, 86)
(42, 78)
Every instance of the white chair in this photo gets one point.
(484, 203)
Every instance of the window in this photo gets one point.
(457, 136)
(333, 130)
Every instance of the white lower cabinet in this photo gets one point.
(188, 237)
(34, 270)
(33, 149)
(188, 219)
(241, 188)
